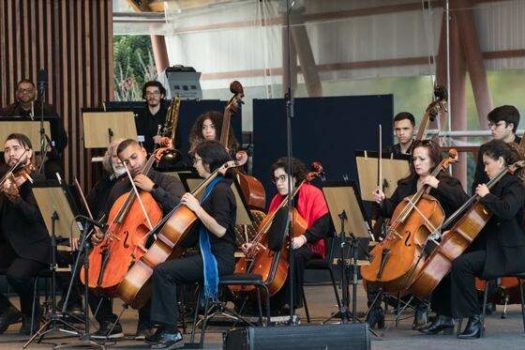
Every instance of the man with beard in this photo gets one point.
(152, 117)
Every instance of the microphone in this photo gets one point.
(42, 81)
(91, 221)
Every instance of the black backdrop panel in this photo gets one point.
(326, 129)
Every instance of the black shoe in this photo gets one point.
(442, 323)
(473, 328)
(376, 316)
(421, 317)
(154, 337)
(107, 331)
(8, 317)
(143, 332)
(26, 325)
(168, 341)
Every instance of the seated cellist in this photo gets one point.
(447, 190)
(166, 191)
(495, 252)
(215, 236)
(311, 205)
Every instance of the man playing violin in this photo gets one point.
(165, 189)
(311, 205)
(404, 124)
(503, 122)
(25, 247)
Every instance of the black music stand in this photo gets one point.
(347, 214)
(55, 206)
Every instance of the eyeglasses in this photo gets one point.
(26, 91)
(281, 178)
(496, 125)
(155, 93)
(196, 160)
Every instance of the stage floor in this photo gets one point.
(500, 333)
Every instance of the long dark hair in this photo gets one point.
(434, 153)
(216, 118)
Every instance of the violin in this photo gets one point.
(394, 259)
(261, 260)
(135, 289)
(125, 238)
(18, 174)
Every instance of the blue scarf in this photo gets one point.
(211, 272)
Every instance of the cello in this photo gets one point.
(454, 241)
(270, 265)
(135, 289)
(415, 217)
(251, 188)
(124, 239)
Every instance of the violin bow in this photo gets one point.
(150, 225)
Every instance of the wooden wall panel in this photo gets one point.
(73, 41)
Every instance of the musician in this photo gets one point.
(311, 205)
(215, 236)
(28, 107)
(25, 248)
(208, 126)
(165, 189)
(153, 116)
(404, 124)
(446, 189)
(494, 253)
(503, 123)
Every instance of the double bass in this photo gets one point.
(270, 265)
(135, 289)
(396, 257)
(251, 188)
(125, 238)
(474, 216)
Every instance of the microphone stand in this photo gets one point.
(290, 113)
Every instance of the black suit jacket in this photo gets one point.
(23, 226)
(449, 194)
(503, 237)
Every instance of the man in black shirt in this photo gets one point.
(27, 107)
(165, 189)
(25, 249)
(404, 124)
(152, 118)
(503, 123)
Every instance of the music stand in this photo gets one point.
(27, 127)
(346, 210)
(394, 169)
(55, 206)
(100, 128)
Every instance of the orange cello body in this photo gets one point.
(253, 191)
(273, 274)
(394, 259)
(123, 245)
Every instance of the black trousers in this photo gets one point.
(282, 297)
(105, 313)
(20, 275)
(456, 295)
(171, 275)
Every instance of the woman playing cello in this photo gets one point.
(311, 206)
(446, 189)
(496, 250)
(215, 237)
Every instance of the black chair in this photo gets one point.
(519, 276)
(323, 265)
(210, 306)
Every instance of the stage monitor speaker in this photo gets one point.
(353, 336)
